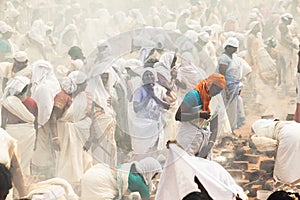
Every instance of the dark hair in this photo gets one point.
(224, 141)
(5, 178)
(196, 196)
(279, 195)
(24, 90)
(76, 53)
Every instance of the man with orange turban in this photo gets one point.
(194, 115)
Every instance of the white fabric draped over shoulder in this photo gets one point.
(44, 88)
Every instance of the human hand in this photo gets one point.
(149, 89)
(204, 115)
(170, 142)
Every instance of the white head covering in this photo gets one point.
(78, 77)
(44, 88)
(166, 59)
(147, 167)
(106, 48)
(5, 28)
(40, 70)
(100, 95)
(231, 41)
(21, 56)
(204, 36)
(150, 69)
(15, 85)
(68, 85)
(192, 35)
(286, 16)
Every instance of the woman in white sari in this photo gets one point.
(149, 101)
(104, 148)
(283, 139)
(230, 66)
(73, 131)
(19, 112)
(44, 88)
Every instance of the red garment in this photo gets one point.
(297, 113)
(62, 101)
(29, 103)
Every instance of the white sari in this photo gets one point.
(73, 132)
(26, 137)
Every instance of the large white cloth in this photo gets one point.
(44, 88)
(26, 137)
(177, 178)
(73, 132)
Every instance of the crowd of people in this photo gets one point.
(93, 97)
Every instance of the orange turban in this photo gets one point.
(217, 79)
(204, 85)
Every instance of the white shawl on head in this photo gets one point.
(15, 85)
(100, 95)
(44, 88)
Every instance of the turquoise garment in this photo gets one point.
(137, 184)
(5, 46)
(192, 99)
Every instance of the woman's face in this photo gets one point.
(231, 49)
(148, 77)
(214, 90)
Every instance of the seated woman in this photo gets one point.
(103, 182)
(283, 136)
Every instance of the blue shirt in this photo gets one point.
(192, 99)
